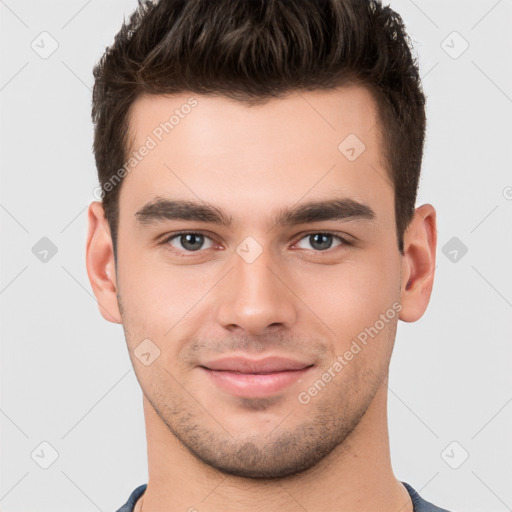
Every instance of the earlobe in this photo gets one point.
(418, 263)
(100, 263)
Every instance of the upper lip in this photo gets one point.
(246, 365)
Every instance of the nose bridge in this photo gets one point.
(255, 298)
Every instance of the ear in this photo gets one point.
(418, 263)
(100, 263)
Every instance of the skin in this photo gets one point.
(208, 449)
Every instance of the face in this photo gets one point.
(258, 275)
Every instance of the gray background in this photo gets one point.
(65, 373)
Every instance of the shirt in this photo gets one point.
(419, 504)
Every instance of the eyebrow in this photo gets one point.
(161, 209)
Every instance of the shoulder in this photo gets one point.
(420, 505)
(134, 496)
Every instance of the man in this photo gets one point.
(258, 240)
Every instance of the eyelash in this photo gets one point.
(167, 239)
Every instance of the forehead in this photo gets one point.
(316, 144)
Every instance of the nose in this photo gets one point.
(256, 297)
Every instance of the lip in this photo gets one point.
(255, 378)
(246, 365)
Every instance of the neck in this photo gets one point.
(356, 476)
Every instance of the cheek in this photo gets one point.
(358, 301)
(353, 292)
(157, 296)
(348, 297)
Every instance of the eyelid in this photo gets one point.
(170, 236)
(342, 237)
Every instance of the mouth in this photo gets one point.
(249, 378)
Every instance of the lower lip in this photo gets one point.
(253, 385)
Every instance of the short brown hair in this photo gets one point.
(255, 50)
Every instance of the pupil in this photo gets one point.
(322, 241)
(191, 241)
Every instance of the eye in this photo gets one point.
(322, 241)
(189, 241)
